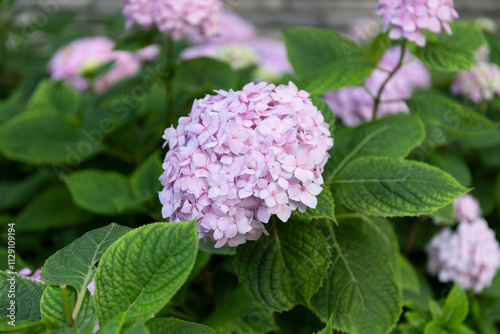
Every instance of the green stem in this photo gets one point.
(67, 305)
(378, 98)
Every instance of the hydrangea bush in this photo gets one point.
(170, 170)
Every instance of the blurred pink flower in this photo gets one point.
(233, 28)
(408, 18)
(175, 18)
(364, 30)
(470, 256)
(354, 105)
(240, 157)
(83, 56)
(482, 83)
(467, 208)
(27, 273)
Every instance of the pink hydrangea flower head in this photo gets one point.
(470, 256)
(482, 83)
(354, 105)
(408, 18)
(176, 18)
(232, 28)
(139, 12)
(467, 208)
(81, 55)
(241, 156)
(125, 65)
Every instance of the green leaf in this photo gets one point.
(20, 294)
(106, 193)
(287, 267)
(205, 74)
(376, 50)
(113, 326)
(74, 265)
(53, 208)
(172, 325)
(329, 327)
(363, 288)
(436, 310)
(140, 274)
(446, 214)
(144, 180)
(490, 157)
(28, 327)
(16, 193)
(453, 165)
(434, 327)
(456, 119)
(45, 138)
(11, 106)
(52, 306)
(451, 53)
(138, 328)
(324, 209)
(239, 313)
(395, 187)
(494, 289)
(456, 307)
(392, 136)
(325, 61)
(409, 277)
(489, 139)
(54, 96)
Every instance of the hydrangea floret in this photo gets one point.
(409, 18)
(241, 156)
(175, 18)
(482, 83)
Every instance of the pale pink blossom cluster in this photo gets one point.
(354, 105)
(239, 45)
(408, 18)
(470, 256)
(175, 18)
(83, 56)
(482, 83)
(241, 156)
(364, 30)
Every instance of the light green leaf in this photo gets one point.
(172, 325)
(391, 136)
(436, 310)
(137, 328)
(52, 208)
(409, 277)
(363, 288)
(140, 274)
(325, 61)
(25, 293)
(45, 138)
(376, 49)
(394, 187)
(51, 306)
(113, 326)
(106, 193)
(74, 265)
(446, 214)
(239, 313)
(453, 165)
(325, 208)
(27, 326)
(287, 267)
(329, 327)
(456, 307)
(144, 180)
(54, 96)
(434, 327)
(451, 116)
(451, 53)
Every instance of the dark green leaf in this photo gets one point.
(20, 294)
(287, 267)
(140, 274)
(54, 96)
(324, 209)
(172, 325)
(395, 187)
(376, 49)
(144, 180)
(28, 327)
